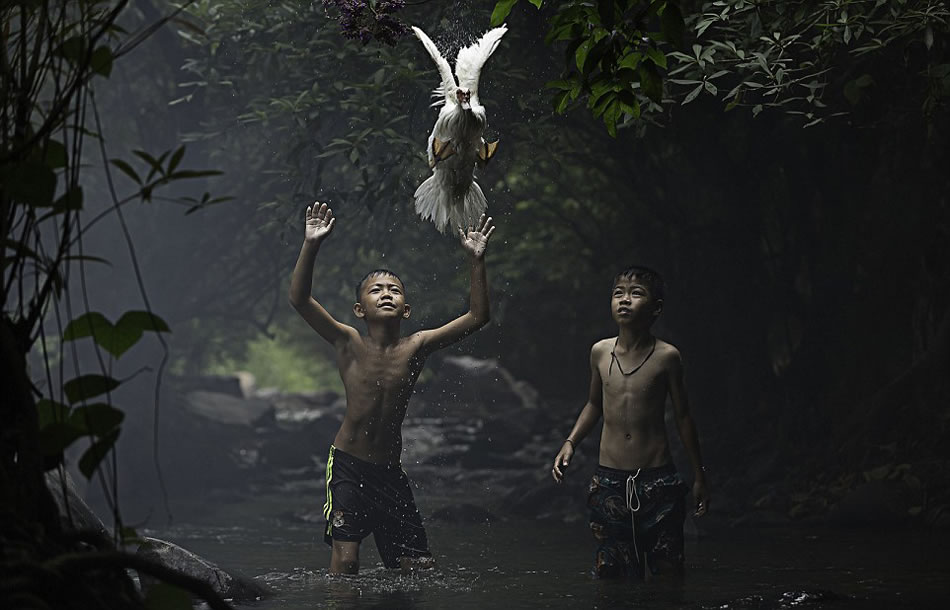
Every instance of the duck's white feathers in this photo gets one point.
(448, 86)
(471, 59)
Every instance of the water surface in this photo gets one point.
(528, 564)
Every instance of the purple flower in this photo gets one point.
(363, 20)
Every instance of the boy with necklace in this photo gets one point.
(636, 497)
(367, 490)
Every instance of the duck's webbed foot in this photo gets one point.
(486, 151)
(440, 151)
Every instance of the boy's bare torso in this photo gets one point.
(634, 433)
(378, 383)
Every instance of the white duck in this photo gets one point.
(451, 195)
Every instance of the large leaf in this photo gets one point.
(50, 411)
(101, 61)
(31, 182)
(671, 25)
(97, 419)
(114, 338)
(501, 11)
(93, 456)
(56, 437)
(88, 386)
(87, 325)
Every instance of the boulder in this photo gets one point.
(875, 503)
(240, 384)
(75, 514)
(228, 586)
(483, 391)
(467, 386)
(227, 409)
(545, 499)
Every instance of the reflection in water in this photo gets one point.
(545, 564)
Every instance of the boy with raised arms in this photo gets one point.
(367, 490)
(636, 497)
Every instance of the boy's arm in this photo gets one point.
(319, 223)
(474, 242)
(687, 431)
(586, 421)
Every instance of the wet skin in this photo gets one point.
(633, 406)
(379, 369)
(378, 376)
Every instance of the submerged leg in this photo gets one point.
(345, 558)
(408, 565)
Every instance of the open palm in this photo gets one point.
(475, 239)
(319, 223)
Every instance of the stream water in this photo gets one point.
(542, 564)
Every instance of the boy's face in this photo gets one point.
(382, 297)
(633, 303)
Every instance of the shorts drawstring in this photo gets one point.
(631, 494)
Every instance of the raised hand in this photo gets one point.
(319, 223)
(475, 239)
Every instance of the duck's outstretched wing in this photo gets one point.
(469, 62)
(448, 86)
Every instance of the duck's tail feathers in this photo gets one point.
(434, 202)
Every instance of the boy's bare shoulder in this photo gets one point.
(603, 346)
(668, 354)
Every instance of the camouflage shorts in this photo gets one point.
(659, 501)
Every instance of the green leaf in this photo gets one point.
(93, 456)
(657, 57)
(651, 82)
(54, 438)
(114, 338)
(143, 320)
(580, 56)
(88, 386)
(55, 154)
(537, 3)
(501, 11)
(87, 325)
(560, 84)
(101, 61)
(70, 200)
(611, 114)
(161, 596)
(49, 412)
(194, 173)
(86, 257)
(31, 183)
(631, 60)
(126, 169)
(97, 419)
(594, 56)
(156, 164)
(693, 94)
(73, 49)
(21, 249)
(854, 89)
(672, 26)
(176, 159)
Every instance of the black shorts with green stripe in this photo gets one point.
(364, 498)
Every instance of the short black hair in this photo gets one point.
(375, 273)
(650, 277)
